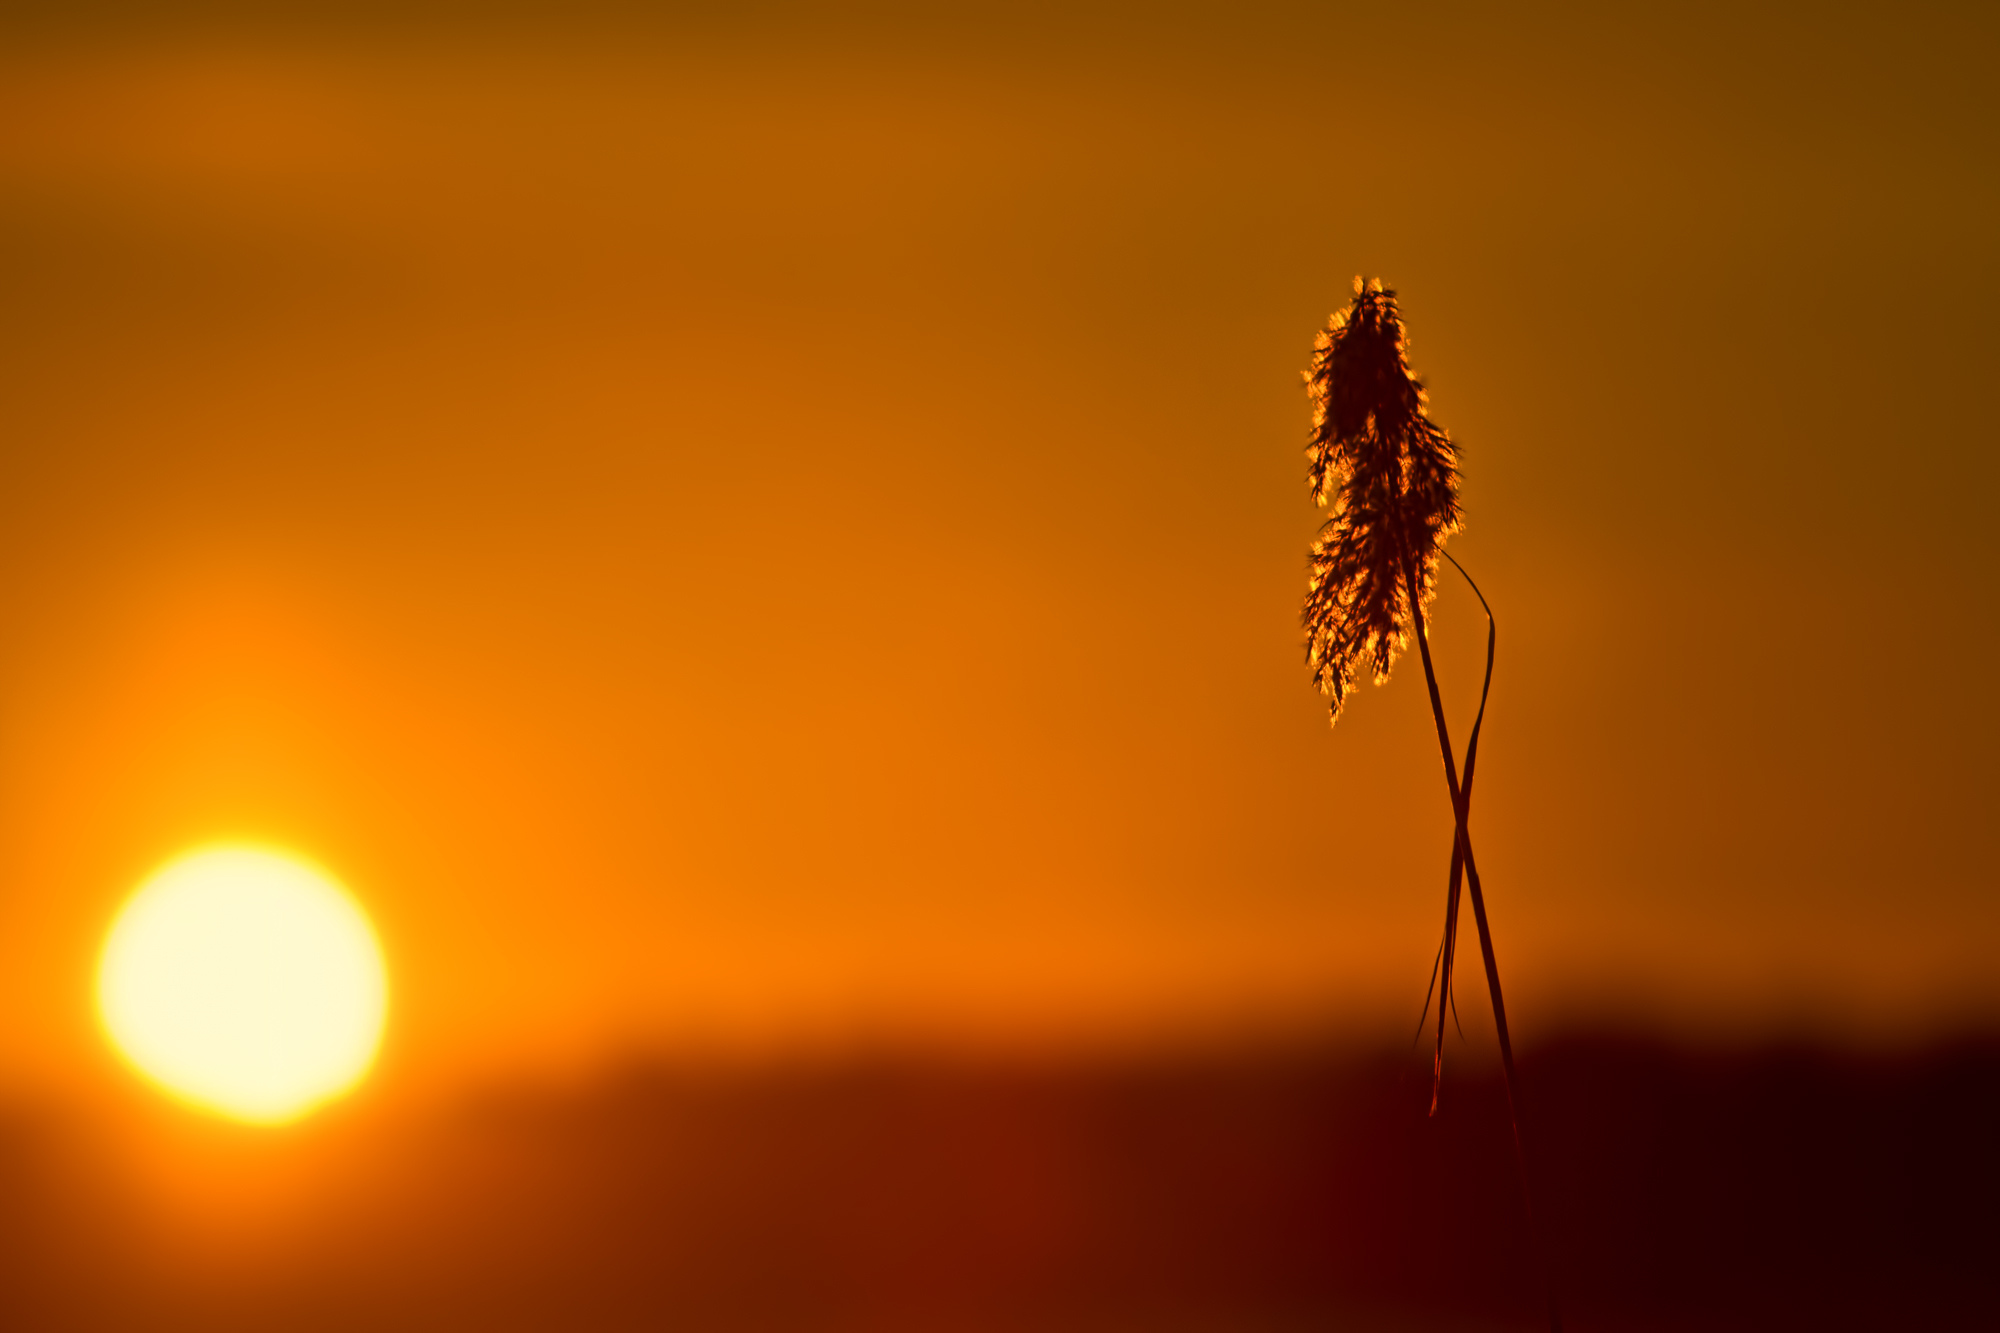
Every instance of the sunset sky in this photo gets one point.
(768, 534)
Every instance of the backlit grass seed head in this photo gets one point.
(1391, 475)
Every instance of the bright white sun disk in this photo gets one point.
(245, 981)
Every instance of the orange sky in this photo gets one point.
(790, 532)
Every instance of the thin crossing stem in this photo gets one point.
(1465, 870)
(1448, 946)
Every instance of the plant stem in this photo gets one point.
(1461, 842)
(1448, 946)
(1461, 860)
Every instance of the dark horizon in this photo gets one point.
(1292, 1190)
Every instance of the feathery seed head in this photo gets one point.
(1392, 477)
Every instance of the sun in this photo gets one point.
(245, 981)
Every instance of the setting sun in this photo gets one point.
(245, 981)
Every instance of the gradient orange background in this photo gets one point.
(782, 533)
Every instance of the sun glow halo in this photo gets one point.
(245, 981)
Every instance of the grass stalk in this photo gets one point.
(1465, 870)
(1448, 945)
(1390, 474)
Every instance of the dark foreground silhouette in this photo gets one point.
(1779, 1190)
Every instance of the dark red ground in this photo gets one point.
(1780, 1190)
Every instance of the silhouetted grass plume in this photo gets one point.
(1391, 475)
